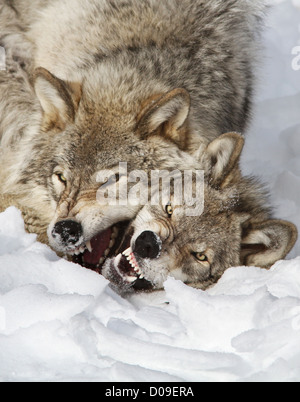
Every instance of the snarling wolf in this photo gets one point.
(235, 228)
(132, 81)
(56, 174)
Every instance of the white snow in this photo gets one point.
(60, 322)
(272, 149)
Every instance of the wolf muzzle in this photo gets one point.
(67, 233)
(148, 245)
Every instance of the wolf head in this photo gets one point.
(127, 106)
(234, 229)
(84, 133)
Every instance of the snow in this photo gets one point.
(272, 149)
(60, 322)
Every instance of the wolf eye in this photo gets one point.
(61, 178)
(201, 257)
(169, 210)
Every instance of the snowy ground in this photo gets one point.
(60, 322)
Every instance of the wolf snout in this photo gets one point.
(68, 233)
(147, 245)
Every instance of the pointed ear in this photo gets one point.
(59, 99)
(167, 116)
(223, 158)
(265, 243)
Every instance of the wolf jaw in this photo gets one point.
(113, 247)
(125, 271)
(101, 247)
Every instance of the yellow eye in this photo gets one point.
(61, 178)
(169, 210)
(201, 257)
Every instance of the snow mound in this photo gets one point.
(61, 322)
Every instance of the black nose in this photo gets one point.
(67, 232)
(147, 245)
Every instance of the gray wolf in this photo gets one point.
(54, 174)
(135, 81)
(236, 228)
(135, 50)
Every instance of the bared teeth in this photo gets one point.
(89, 246)
(77, 251)
(115, 232)
(114, 235)
(133, 262)
(127, 252)
(130, 279)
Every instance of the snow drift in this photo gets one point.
(59, 321)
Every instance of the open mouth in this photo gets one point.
(125, 272)
(103, 246)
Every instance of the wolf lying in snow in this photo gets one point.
(130, 81)
(141, 83)
(235, 228)
(236, 213)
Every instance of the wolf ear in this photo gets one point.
(265, 243)
(223, 158)
(59, 99)
(166, 116)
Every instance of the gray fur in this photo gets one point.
(131, 81)
(210, 48)
(30, 157)
(235, 228)
(109, 91)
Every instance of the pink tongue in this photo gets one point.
(99, 243)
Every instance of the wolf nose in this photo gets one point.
(147, 245)
(67, 232)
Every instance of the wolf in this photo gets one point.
(55, 175)
(138, 51)
(141, 82)
(12, 32)
(236, 228)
